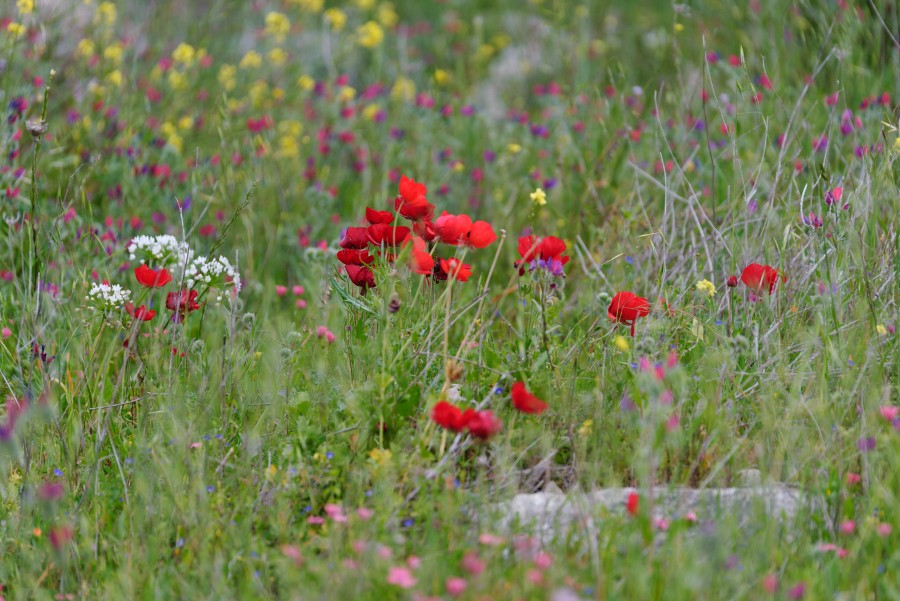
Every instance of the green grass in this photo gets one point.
(195, 459)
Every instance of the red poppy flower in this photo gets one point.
(373, 216)
(483, 425)
(355, 237)
(386, 234)
(732, 281)
(631, 506)
(525, 401)
(459, 230)
(353, 256)
(760, 277)
(361, 276)
(142, 313)
(181, 303)
(424, 230)
(420, 260)
(626, 307)
(549, 250)
(451, 417)
(456, 268)
(411, 203)
(151, 278)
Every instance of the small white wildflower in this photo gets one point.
(212, 271)
(103, 297)
(163, 251)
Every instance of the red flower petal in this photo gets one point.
(151, 278)
(525, 401)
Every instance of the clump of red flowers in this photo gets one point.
(542, 253)
(480, 424)
(364, 247)
(626, 307)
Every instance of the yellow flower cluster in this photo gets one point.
(277, 25)
(336, 18)
(370, 34)
(706, 287)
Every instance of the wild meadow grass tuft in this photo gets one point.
(296, 294)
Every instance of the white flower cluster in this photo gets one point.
(105, 297)
(163, 251)
(211, 271)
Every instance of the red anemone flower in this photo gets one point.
(353, 256)
(152, 278)
(425, 230)
(361, 276)
(626, 307)
(451, 417)
(483, 425)
(456, 268)
(141, 313)
(181, 303)
(525, 401)
(411, 203)
(355, 237)
(420, 260)
(459, 230)
(373, 216)
(386, 234)
(549, 250)
(760, 277)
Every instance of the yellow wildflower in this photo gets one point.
(177, 80)
(387, 16)
(371, 111)
(441, 77)
(313, 6)
(306, 83)
(186, 122)
(288, 148)
(257, 92)
(115, 78)
(277, 93)
(336, 18)
(85, 48)
(365, 4)
(458, 166)
(277, 25)
(882, 331)
(706, 287)
(513, 148)
(26, 7)
(113, 53)
(622, 344)
(586, 427)
(277, 56)
(346, 94)
(403, 89)
(251, 60)
(184, 54)
(106, 14)
(484, 52)
(539, 197)
(227, 77)
(290, 127)
(370, 34)
(381, 456)
(15, 29)
(271, 471)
